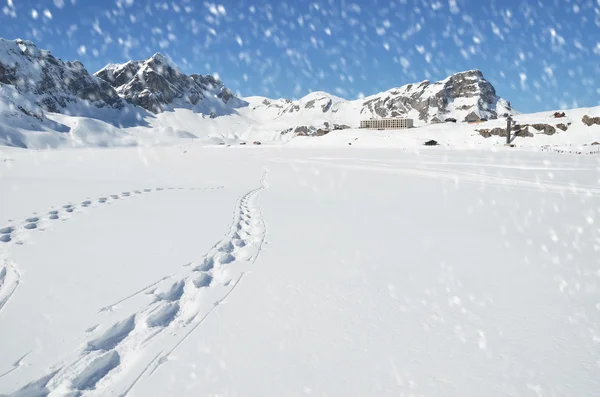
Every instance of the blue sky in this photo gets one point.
(539, 55)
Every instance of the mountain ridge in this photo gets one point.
(157, 84)
(155, 92)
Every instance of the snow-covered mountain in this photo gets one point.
(459, 95)
(157, 84)
(49, 82)
(456, 97)
(46, 102)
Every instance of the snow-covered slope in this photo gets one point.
(188, 270)
(536, 131)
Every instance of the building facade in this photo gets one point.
(391, 123)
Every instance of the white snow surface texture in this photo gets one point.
(189, 270)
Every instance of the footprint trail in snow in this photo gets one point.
(20, 232)
(118, 355)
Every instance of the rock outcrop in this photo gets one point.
(589, 121)
(157, 84)
(522, 130)
(460, 94)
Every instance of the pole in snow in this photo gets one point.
(508, 125)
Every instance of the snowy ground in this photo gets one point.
(299, 270)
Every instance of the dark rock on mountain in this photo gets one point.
(486, 133)
(544, 128)
(589, 121)
(519, 130)
(304, 130)
(341, 127)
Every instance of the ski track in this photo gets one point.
(20, 232)
(17, 364)
(460, 176)
(175, 304)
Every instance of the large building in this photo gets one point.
(391, 123)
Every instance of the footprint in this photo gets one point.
(36, 388)
(203, 280)
(102, 200)
(113, 336)
(68, 206)
(86, 203)
(137, 192)
(30, 226)
(147, 190)
(114, 196)
(225, 258)
(125, 194)
(34, 219)
(5, 238)
(53, 212)
(69, 210)
(53, 216)
(206, 265)
(225, 246)
(174, 293)
(160, 189)
(96, 370)
(92, 328)
(239, 243)
(7, 230)
(163, 316)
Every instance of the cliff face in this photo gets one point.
(456, 96)
(157, 84)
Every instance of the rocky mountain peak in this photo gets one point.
(157, 84)
(48, 81)
(456, 96)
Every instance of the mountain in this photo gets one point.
(50, 83)
(157, 84)
(457, 96)
(46, 102)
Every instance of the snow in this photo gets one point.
(265, 123)
(308, 268)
